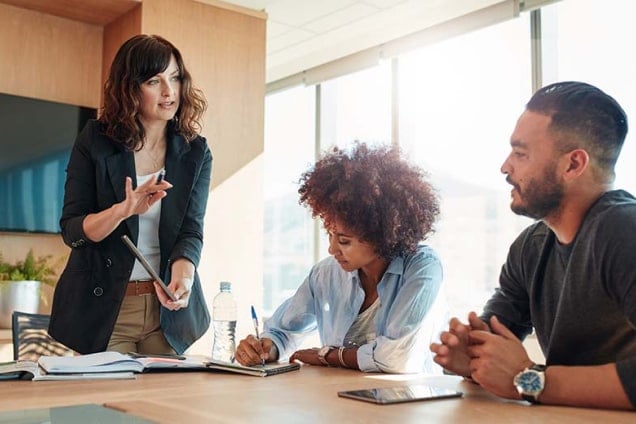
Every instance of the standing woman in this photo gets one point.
(149, 126)
(376, 302)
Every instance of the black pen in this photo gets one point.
(255, 321)
(162, 173)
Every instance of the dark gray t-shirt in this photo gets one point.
(581, 297)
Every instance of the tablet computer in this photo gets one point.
(147, 267)
(387, 395)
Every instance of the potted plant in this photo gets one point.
(20, 285)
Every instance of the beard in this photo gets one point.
(541, 196)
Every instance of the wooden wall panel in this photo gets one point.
(99, 12)
(47, 57)
(225, 53)
(115, 34)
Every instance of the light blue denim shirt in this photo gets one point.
(411, 315)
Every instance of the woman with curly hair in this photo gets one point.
(115, 186)
(376, 301)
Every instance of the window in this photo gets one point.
(459, 101)
(289, 150)
(357, 107)
(591, 41)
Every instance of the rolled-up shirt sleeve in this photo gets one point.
(292, 321)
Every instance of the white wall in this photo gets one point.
(233, 246)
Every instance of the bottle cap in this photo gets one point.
(225, 286)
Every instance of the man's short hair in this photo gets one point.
(584, 117)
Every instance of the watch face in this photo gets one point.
(530, 382)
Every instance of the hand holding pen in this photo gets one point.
(255, 321)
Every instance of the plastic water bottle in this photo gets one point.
(224, 321)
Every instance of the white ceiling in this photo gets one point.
(302, 34)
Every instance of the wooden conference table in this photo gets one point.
(304, 396)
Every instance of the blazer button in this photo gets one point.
(109, 263)
(98, 291)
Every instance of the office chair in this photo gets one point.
(31, 338)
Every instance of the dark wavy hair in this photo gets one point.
(375, 193)
(137, 60)
(585, 117)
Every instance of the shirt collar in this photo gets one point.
(396, 266)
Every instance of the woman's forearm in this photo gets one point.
(98, 226)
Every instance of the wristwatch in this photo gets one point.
(322, 354)
(530, 382)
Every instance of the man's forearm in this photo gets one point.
(586, 386)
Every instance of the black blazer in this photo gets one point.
(91, 288)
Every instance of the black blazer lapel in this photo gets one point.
(180, 172)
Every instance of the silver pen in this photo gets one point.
(255, 321)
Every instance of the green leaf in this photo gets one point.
(30, 269)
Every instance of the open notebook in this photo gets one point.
(114, 362)
(30, 370)
(257, 370)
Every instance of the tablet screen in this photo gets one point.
(385, 395)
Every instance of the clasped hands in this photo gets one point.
(491, 356)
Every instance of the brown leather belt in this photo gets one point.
(140, 287)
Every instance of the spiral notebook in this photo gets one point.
(256, 370)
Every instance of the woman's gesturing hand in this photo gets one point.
(139, 200)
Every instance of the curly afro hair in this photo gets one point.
(375, 193)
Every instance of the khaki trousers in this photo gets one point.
(138, 329)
